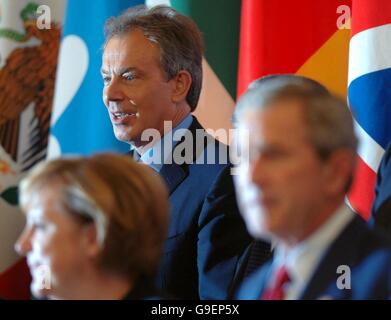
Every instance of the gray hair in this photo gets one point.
(178, 37)
(328, 118)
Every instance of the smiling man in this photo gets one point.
(292, 183)
(137, 93)
(152, 74)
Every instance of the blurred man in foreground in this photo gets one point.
(296, 168)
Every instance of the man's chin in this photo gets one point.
(124, 137)
(259, 232)
(39, 291)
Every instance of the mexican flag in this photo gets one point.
(29, 40)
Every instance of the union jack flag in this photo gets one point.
(369, 93)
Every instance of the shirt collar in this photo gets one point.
(160, 152)
(302, 259)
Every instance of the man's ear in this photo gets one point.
(182, 82)
(90, 241)
(340, 167)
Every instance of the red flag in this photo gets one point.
(281, 36)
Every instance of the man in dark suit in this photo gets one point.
(296, 167)
(381, 209)
(152, 73)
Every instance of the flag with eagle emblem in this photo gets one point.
(28, 60)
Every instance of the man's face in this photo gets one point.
(53, 242)
(136, 92)
(280, 190)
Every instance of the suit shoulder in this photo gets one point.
(387, 154)
(252, 285)
(372, 247)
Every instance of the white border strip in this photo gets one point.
(369, 150)
(369, 51)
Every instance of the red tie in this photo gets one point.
(276, 290)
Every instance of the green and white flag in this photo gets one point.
(219, 21)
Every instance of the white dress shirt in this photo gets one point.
(161, 151)
(302, 259)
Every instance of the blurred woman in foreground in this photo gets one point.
(95, 228)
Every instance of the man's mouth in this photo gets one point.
(122, 117)
(34, 265)
(268, 202)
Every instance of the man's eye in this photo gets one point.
(128, 76)
(273, 155)
(39, 226)
(106, 80)
(276, 155)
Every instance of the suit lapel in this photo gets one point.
(174, 173)
(341, 252)
(134, 155)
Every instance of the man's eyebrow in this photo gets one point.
(128, 69)
(120, 71)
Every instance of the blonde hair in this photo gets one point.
(127, 201)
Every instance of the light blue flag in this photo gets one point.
(80, 123)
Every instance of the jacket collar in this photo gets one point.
(174, 173)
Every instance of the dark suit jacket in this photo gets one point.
(381, 209)
(365, 251)
(206, 235)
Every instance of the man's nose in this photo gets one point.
(23, 244)
(258, 171)
(113, 92)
